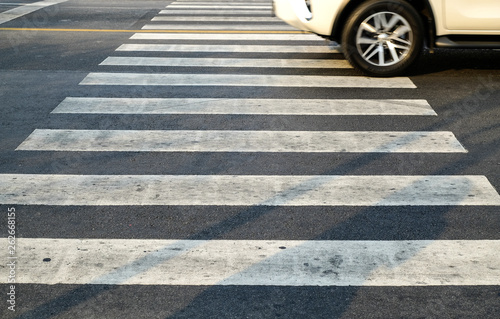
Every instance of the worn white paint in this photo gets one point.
(228, 62)
(235, 2)
(26, 8)
(243, 106)
(215, 12)
(230, 27)
(246, 190)
(241, 141)
(257, 262)
(215, 19)
(226, 48)
(214, 3)
(166, 79)
(229, 36)
(219, 6)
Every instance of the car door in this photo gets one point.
(472, 15)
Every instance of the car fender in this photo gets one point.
(318, 20)
(426, 8)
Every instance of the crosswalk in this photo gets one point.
(250, 190)
(241, 141)
(21, 9)
(99, 105)
(264, 263)
(254, 80)
(228, 63)
(209, 27)
(222, 48)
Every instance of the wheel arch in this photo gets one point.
(423, 7)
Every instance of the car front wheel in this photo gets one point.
(383, 37)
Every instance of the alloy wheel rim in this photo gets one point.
(384, 39)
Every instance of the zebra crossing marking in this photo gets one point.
(228, 62)
(24, 9)
(257, 262)
(246, 190)
(235, 2)
(245, 27)
(215, 19)
(228, 36)
(166, 79)
(226, 48)
(221, 3)
(241, 141)
(247, 262)
(243, 106)
(217, 7)
(215, 12)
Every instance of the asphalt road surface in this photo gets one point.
(202, 159)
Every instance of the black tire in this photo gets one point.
(400, 47)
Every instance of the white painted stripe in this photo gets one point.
(256, 262)
(224, 3)
(215, 12)
(246, 190)
(221, 3)
(228, 62)
(226, 48)
(231, 27)
(229, 36)
(12, 4)
(25, 9)
(236, 2)
(217, 7)
(165, 79)
(241, 141)
(243, 106)
(230, 3)
(217, 19)
(244, 2)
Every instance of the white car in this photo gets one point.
(384, 37)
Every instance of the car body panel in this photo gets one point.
(451, 17)
(480, 15)
(319, 20)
